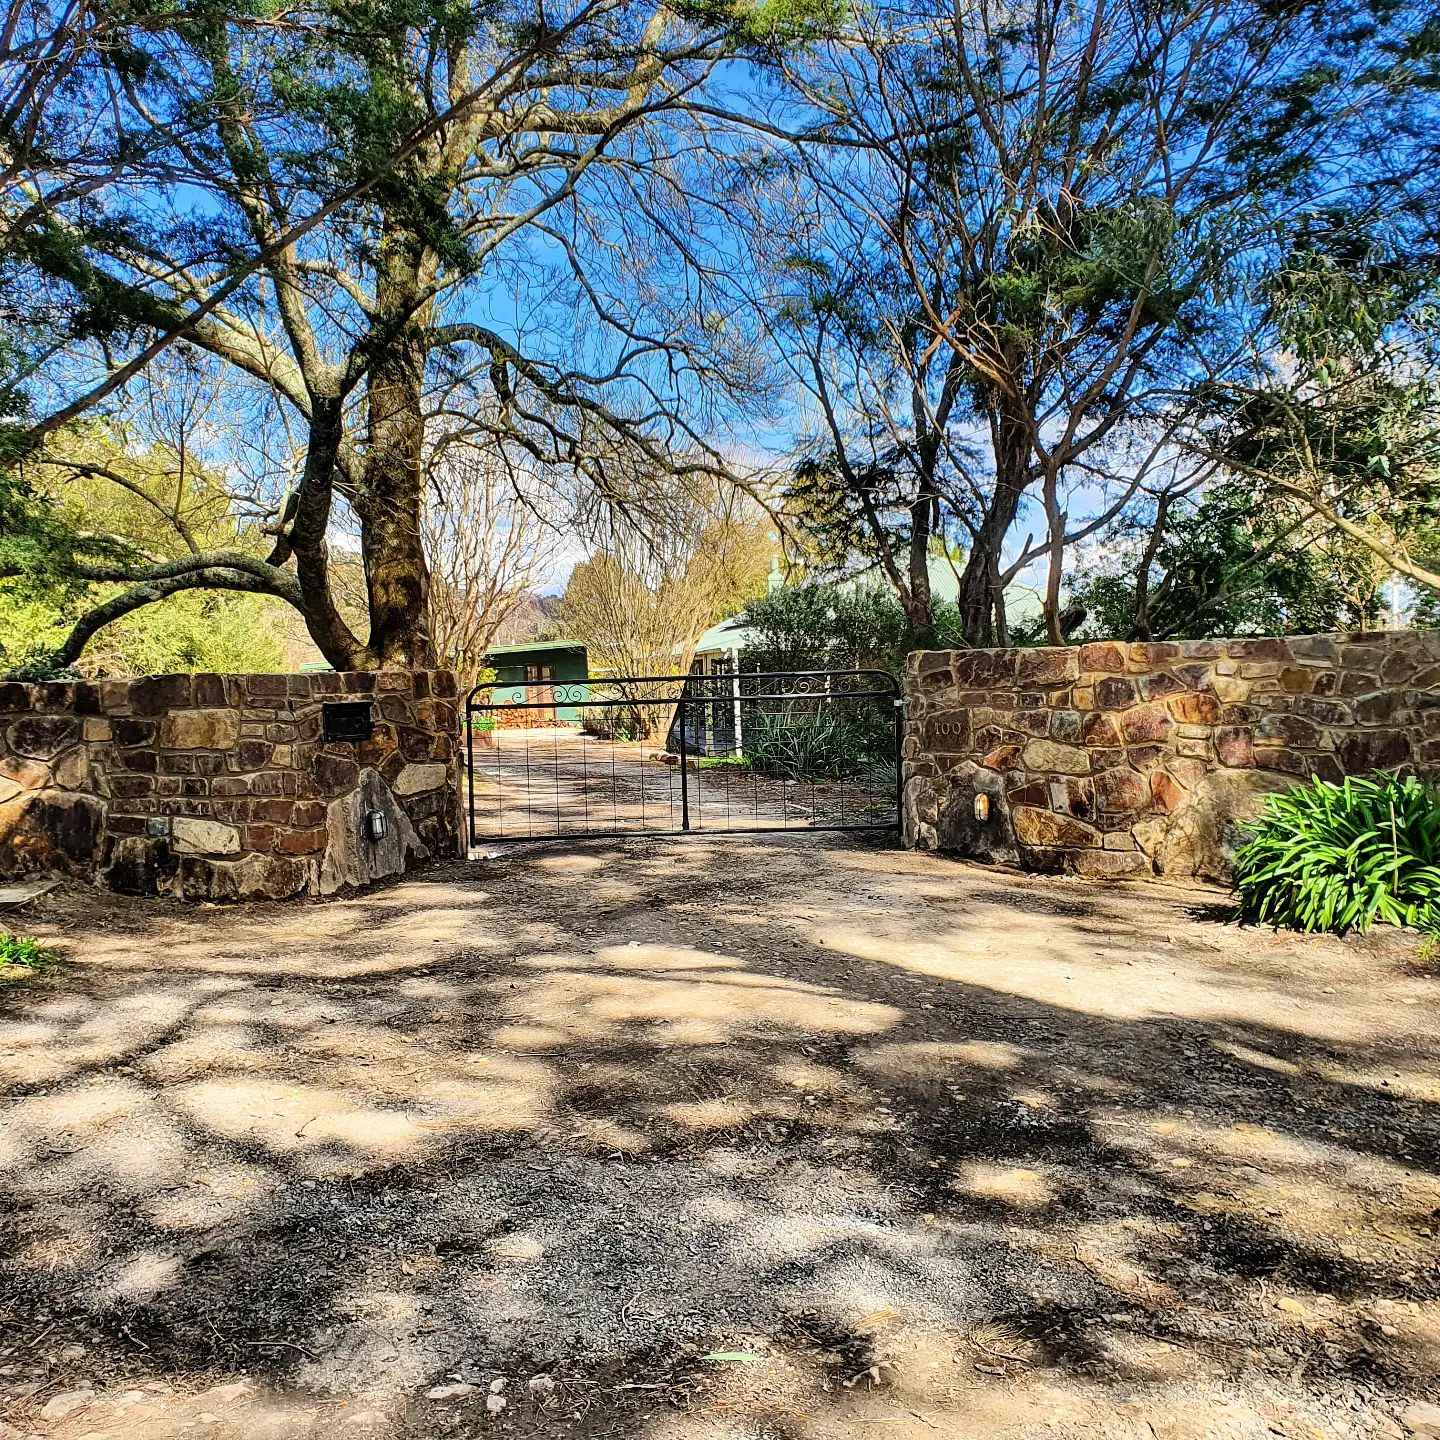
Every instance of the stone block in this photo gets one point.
(1048, 665)
(1107, 864)
(1381, 708)
(414, 779)
(984, 669)
(253, 755)
(351, 857)
(1034, 827)
(1146, 724)
(252, 877)
(199, 730)
(944, 732)
(71, 770)
(47, 831)
(1364, 750)
(335, 772)
(1100, 729)
(155, 694)
(1196, 708)
(41, 737)
(1052, 756)
(1103, 655)
(1121, 790)
(1280, 758)
(1161, 685)
(1167, 792)
(1263, 649)
(1067, 725)
(1114, 693)
(1072, 795)
(209, 691)
(137, 864)
(1291, 730)
(1200, 837)
(203, 837)
(1002, 757)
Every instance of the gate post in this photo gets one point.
(684, 765)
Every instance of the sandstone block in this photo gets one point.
(41, 737)
(1045, 828)
(1103, 655)
(1200, 837)
(1121, 790)
(1114, 693)
(200, 730)
(414, 779)
(1147, 725)
(1051, 755)
(351, 857)
(1196, 708)
(203, 837)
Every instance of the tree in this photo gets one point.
(1341, 420)
(487, 548)
(1022, 244)
(363, 173)
(1225, 562)
(109, 500)
(824, 625)
(640, 607)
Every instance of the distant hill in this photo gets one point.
(529, 620)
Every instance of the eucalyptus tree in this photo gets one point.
(1021, 248)
(371, 202)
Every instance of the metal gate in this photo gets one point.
(709, 754)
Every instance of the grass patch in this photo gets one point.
(722, 762)
(22, 956)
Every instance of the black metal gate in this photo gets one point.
(729, 752)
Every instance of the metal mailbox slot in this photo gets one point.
(347, 720)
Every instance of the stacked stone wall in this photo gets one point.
(1119, 759)
(224, 787)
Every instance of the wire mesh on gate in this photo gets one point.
(674, 754)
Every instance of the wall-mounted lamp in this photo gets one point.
(982, 807)
(377, 824)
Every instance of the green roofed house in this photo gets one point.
(528, 673)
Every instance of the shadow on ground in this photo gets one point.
(756, 1138)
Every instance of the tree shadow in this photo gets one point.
(601, 1116)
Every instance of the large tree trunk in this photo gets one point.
(397, 576)
(920, 603)
(981, 596)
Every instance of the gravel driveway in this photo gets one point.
(539, 782)
(770, 1137)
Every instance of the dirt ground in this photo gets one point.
(776, 1138)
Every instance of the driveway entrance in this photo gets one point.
(680, 754)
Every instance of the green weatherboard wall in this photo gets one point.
(568, 664)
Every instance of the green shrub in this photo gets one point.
(817, 743)
(22, 953)
(1340, 857)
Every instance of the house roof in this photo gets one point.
(535, 647)
(731, 634)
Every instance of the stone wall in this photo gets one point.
(223, 787)
(1121, 759)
